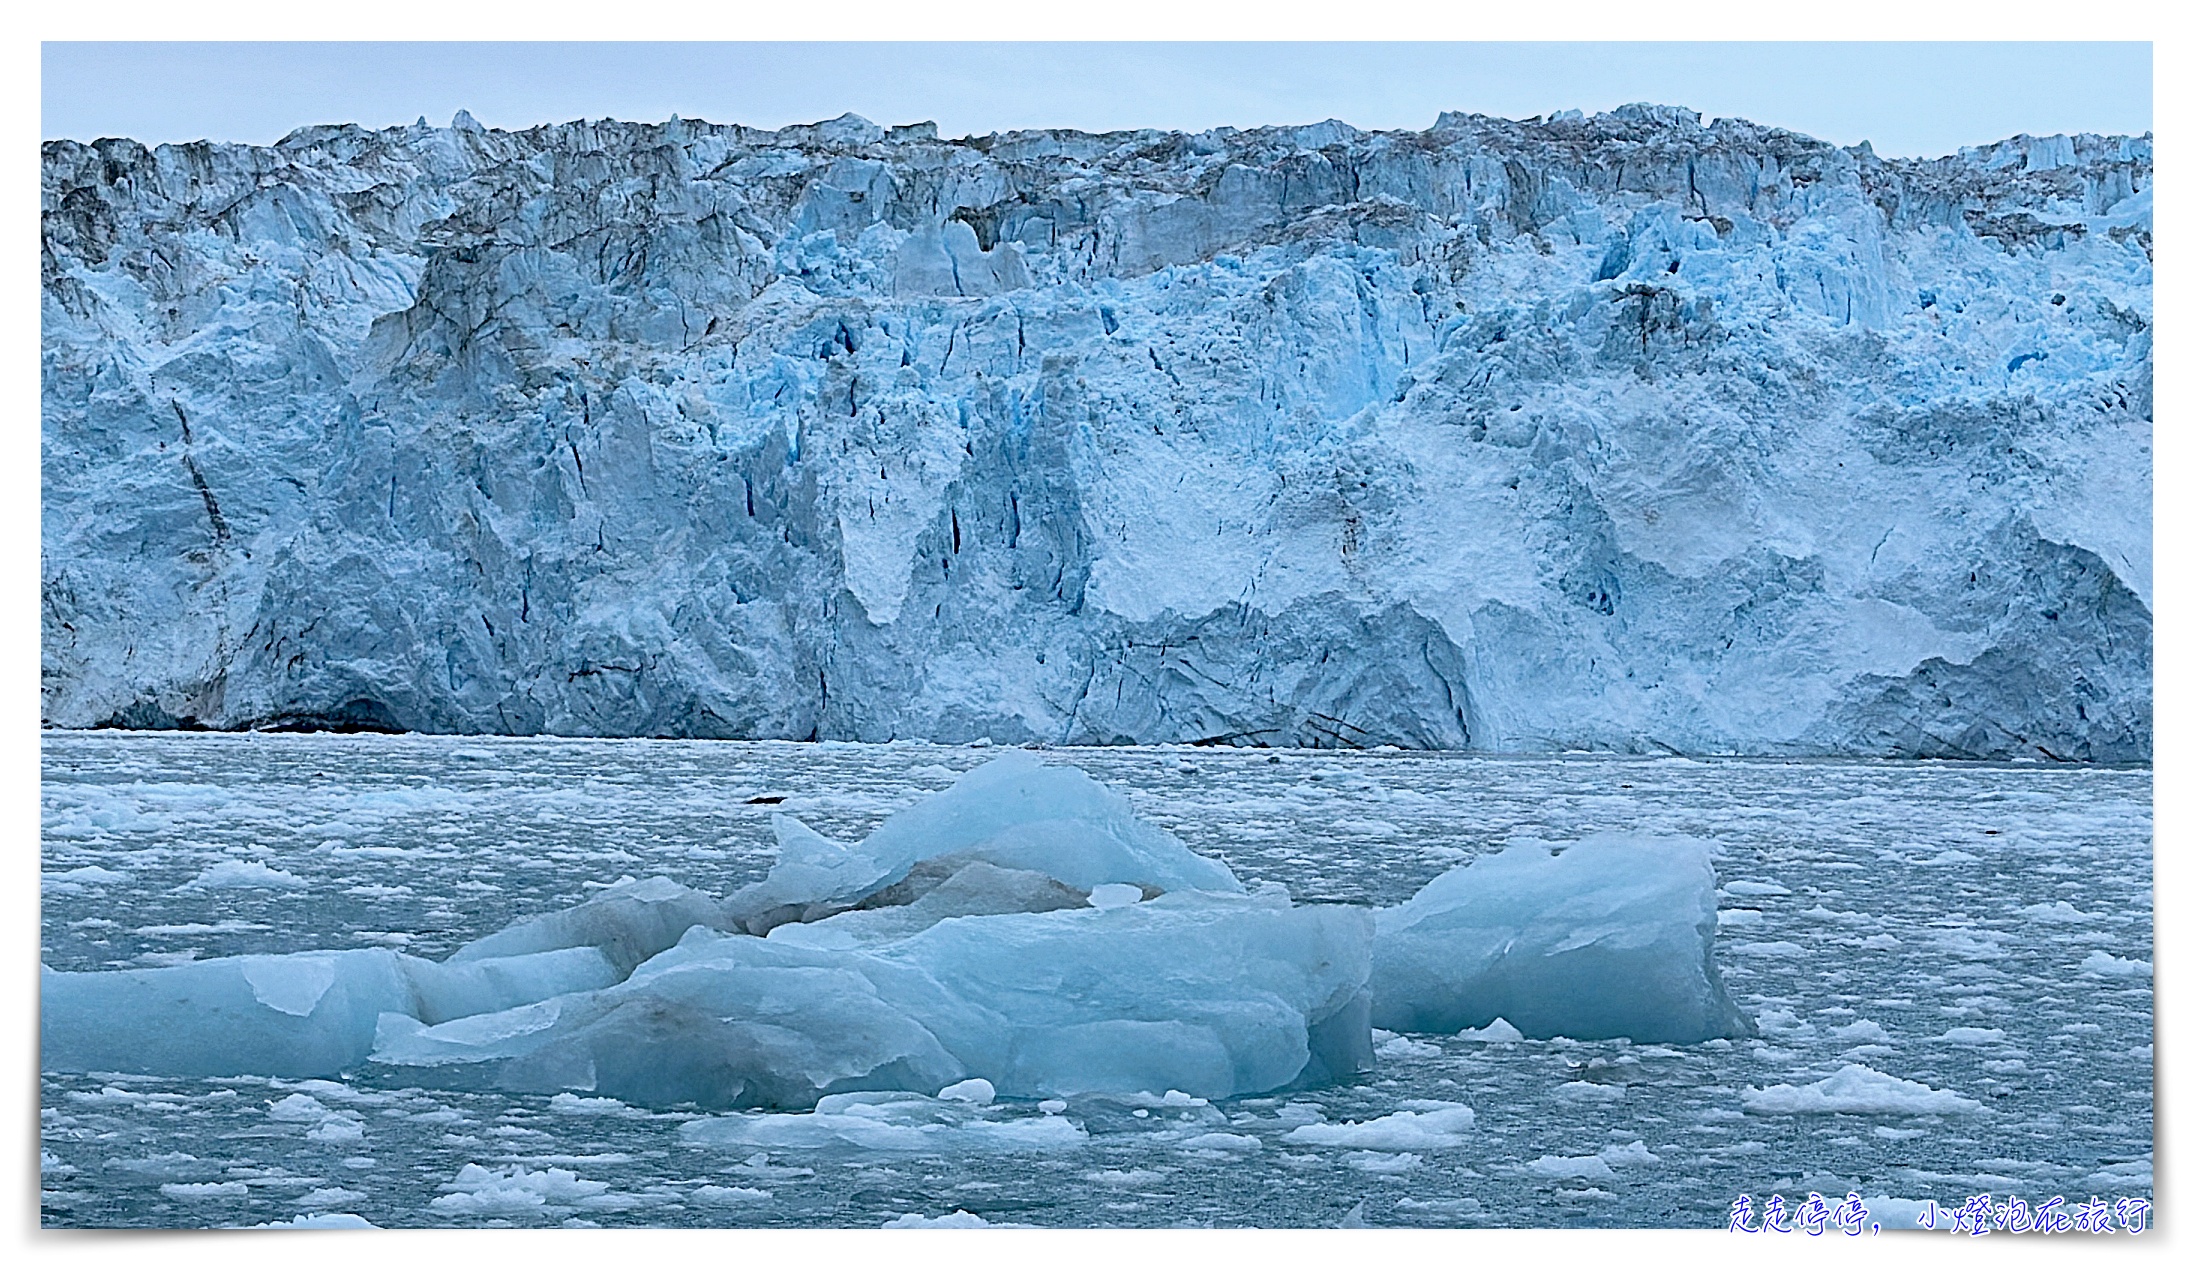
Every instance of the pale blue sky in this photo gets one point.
(1908, 99)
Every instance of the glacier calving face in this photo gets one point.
(1616, 433)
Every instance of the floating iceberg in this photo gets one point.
(628, 923)
(293, 1014)
(1611, 936)
(1022, 935)
(1213, 994)
(1013, 813)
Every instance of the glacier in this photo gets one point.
(1621, 432)
(1021, 934)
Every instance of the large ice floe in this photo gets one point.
(1023, 934)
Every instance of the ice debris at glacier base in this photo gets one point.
(1621, 432)
(1020, 935)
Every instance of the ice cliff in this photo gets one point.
(1618, 432)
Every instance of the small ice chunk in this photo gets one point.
(1115, 895)
(2104, 966)
(337, 1129)
(205, 1190)
(1860, 1031)
(1755, 888)
(1461, 1206)
(972, 1090)
(2056, 911)
(893, 1123)
(1222, 1142)
(1611, 937)
(1382, 1162)
(1858, 1090)
(1499, 1030)
(1398, 1047)
(245, 875)
(2136, 1177)
(1052, 1106)
(478, 1191)
(958, 1219)
(320, 1221)
(87, 875)
(1591, 1091)
(1590, 1168)
(1972, 1035)
(1126, 1177)
(326, 1197)
(1434, 1125)
(1629, 1153)
(722, 1196)
(299, 1109)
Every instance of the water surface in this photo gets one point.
(1937, 922)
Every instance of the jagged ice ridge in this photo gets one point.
(1616, 432)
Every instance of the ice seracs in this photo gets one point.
(1615, 432)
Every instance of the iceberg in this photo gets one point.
(1216, 995)
(627, 923)
(1022, 936)
(1013, 812)
(298, 1014)
(1024, 928)
(1611, 936)
(290, 1014)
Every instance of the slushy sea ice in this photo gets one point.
(1023, 928)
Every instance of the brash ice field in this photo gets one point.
(1973, 939)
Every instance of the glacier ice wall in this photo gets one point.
(1616, 432)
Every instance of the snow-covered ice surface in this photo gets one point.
(1949, 966)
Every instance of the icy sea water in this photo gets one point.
(1937, 922)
